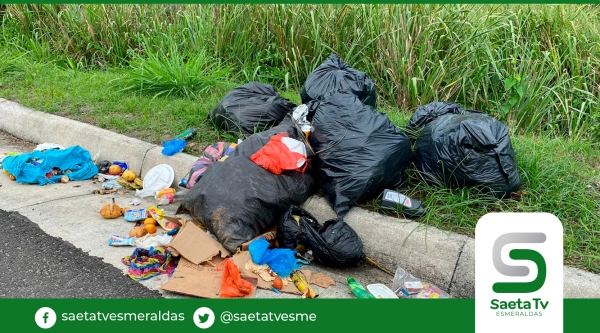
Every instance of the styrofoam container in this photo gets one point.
(381, 291)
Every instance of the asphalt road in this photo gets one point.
(34, 264)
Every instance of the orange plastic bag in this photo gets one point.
(276, 156)
(232, 284)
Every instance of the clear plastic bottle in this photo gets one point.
(358, 290)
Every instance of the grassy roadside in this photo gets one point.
(560, 176)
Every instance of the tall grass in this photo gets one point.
(534, 67)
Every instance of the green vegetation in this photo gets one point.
(533, 67)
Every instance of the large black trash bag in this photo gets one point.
(360, 151)
(333, 75)
(334, 243)
(470, 149)
(429, 112)
(250, 108)
(238, 200)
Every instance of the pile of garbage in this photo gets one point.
(246, 228)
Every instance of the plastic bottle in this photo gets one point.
(188, 133)
(358, 290)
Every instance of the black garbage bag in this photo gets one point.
(470, 149)
(429, 112)
(250, 108)
(238, 200)
(334, 243)
(333, 75)
(359, 151)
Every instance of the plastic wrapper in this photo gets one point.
(405, 285)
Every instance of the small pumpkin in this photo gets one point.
(115, 169)
(111, 211)
(150, 228)
(150, 220)
(129, 175)
(138, 230)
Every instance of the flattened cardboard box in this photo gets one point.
(201, 280)
(197, 274)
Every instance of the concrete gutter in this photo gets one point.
(444, 258)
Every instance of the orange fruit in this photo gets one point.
(150, 221)
(150, 228)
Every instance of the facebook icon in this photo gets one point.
(45, 317)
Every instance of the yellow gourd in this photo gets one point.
(138, 231)
(111, 211)
(129, 175)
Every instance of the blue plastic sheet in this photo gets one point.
(32, 168)
(281, 261)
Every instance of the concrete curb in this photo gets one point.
(443, 258)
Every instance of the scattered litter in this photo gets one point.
(407, 286)
(48, 146)
(160, 217)
(282, 153)
(409, 207)
(232, 284)
(135, 202)
(381, 291)
(188, 133)
(111, 184)
(213, 153)
(116, 240)
(173, 147)
(64, 179)
(76, 185)
(145, 264)
(357, 289)
(302, 284)
(281, 261)
(138, 230)
(103, 191)
(157, 178)
(149, 240)
(250, 108)
(134, 215)
(322, 280)
(49, 166)
(111, 211)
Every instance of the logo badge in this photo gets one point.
(204, 317)
(45, 317)
(518, 273)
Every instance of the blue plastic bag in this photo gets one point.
(32, 168)
(173, 147)
(281, 261)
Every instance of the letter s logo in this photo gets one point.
(519, 254)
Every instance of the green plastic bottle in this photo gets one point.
(358, 290)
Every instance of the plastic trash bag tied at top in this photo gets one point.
(250, 108)
(334, 243)
(238, 200)
(429, 112)
(360, 152)
(333, 75)
(468, 149)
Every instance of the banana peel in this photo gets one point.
(138, 181)
(129, 185)
(303, 285)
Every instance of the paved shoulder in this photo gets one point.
(36, 265)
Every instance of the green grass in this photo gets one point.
(559, 175)
(532, 66)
